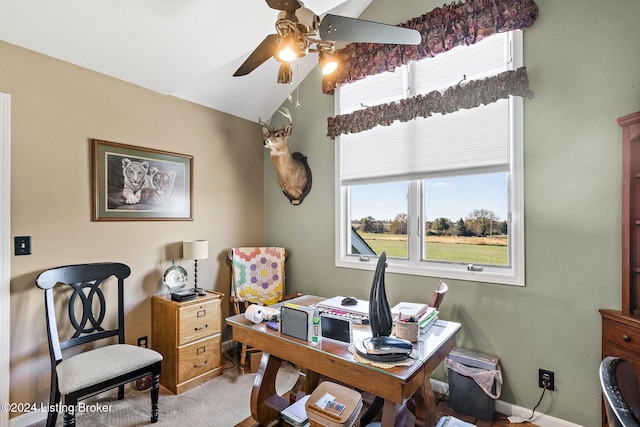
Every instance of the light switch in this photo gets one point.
(22, 245)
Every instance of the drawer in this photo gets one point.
(198, 321)
(198, 358)
(621, 335)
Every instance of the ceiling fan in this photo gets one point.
(300, 31)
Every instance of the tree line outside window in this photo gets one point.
(478, 223)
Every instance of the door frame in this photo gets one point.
(5, 237)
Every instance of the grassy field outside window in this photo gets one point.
(476, 250)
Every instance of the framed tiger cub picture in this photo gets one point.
(140, 184)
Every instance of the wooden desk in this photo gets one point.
(334, 360)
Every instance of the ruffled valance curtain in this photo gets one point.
(442, 29)
(471, 95)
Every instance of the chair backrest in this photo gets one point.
(620, 391)
(257, 274)
(83, 281)
(438, 295)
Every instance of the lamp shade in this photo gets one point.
(285, 73)
(195, 249)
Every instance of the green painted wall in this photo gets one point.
(583, 64)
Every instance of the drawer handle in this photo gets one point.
(626, 338)
(201, 328)
(201, 364)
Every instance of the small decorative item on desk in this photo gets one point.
(257, 313)
(407, 330)
(381, 347)
(424, 315)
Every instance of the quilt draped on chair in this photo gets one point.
(258, 274)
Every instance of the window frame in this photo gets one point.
(415, 265)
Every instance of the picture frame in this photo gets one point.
(140, 184)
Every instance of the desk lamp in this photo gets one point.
(195, 250)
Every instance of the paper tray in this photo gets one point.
(350, 398)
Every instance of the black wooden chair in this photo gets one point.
(91, 369)
(620, 392)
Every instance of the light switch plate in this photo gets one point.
(22, 245)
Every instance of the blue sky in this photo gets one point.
(450, 197)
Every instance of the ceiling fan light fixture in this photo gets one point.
(287, 51)
(285, 73)
(328, 62)
(300, 31)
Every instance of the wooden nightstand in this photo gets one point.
(188, 335)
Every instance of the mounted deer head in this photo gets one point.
(292, 170)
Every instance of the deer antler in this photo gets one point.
(286, 113)
(264, 124)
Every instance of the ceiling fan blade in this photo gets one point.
(343, 29)
(286, 5)
(264, 51)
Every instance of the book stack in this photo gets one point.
(428, 319)
(415, 312)
(296, 413)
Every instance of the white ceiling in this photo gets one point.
(185, 48)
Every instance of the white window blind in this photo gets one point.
(489, 57)
(466, 139)
(374, 90)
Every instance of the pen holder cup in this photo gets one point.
(407, 330)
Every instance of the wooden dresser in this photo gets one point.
(621, 328)
(188, 335)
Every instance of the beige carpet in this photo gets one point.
(221, 402)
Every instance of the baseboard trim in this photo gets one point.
(508, 409)
(27, 419)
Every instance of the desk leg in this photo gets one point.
(393, 415)
(266, 404)
(419, 407)
(429, 404)
(423, 405)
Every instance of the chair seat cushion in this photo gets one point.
(102, 364)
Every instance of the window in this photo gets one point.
(442, 196)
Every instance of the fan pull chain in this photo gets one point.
(298, 86)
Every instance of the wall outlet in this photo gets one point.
(143, 342)
(546, 379)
